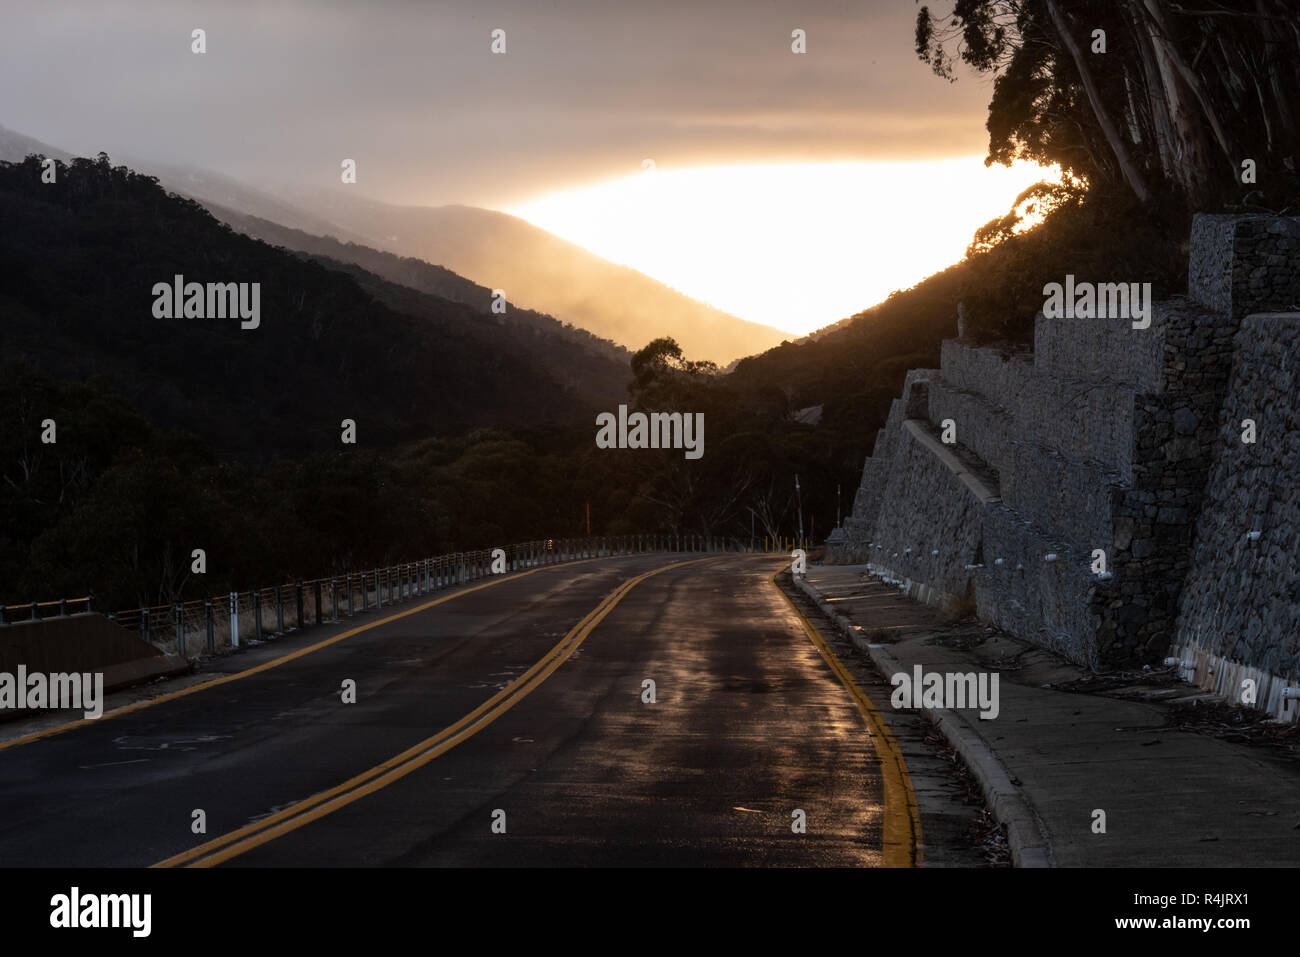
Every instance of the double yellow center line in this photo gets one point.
(901, 843)
(237, 842)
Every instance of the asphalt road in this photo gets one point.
(506, 726)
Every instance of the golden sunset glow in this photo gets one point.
(796, 246)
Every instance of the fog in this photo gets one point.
(412, 92)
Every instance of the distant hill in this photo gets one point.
(215, 190)
(536, 269)
(81, 257)
(416, 274)
(544, 272)
(14, 146)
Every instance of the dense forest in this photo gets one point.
(82, 254)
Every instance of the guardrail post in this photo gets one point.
(144, 623)
(178, 612)
(234, 619)
(347, 578)
(63, 608)
(207, 614)
(279, 610)
(301, 601)
(34, 606)
(257, 613)
(316, 589)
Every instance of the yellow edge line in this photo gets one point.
(237, 842)
(275, 663)
(901, 844)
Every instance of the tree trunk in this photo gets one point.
(1171, 60)
(1164, 136)
(1274, 58)
(1190, 145)
(1131, 173)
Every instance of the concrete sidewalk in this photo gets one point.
(1052, 758)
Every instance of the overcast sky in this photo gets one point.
(586, 90)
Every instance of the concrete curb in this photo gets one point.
(1026, 834)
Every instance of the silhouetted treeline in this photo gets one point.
(115, 505)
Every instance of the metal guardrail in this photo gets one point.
(40, 610)
(205, 624)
